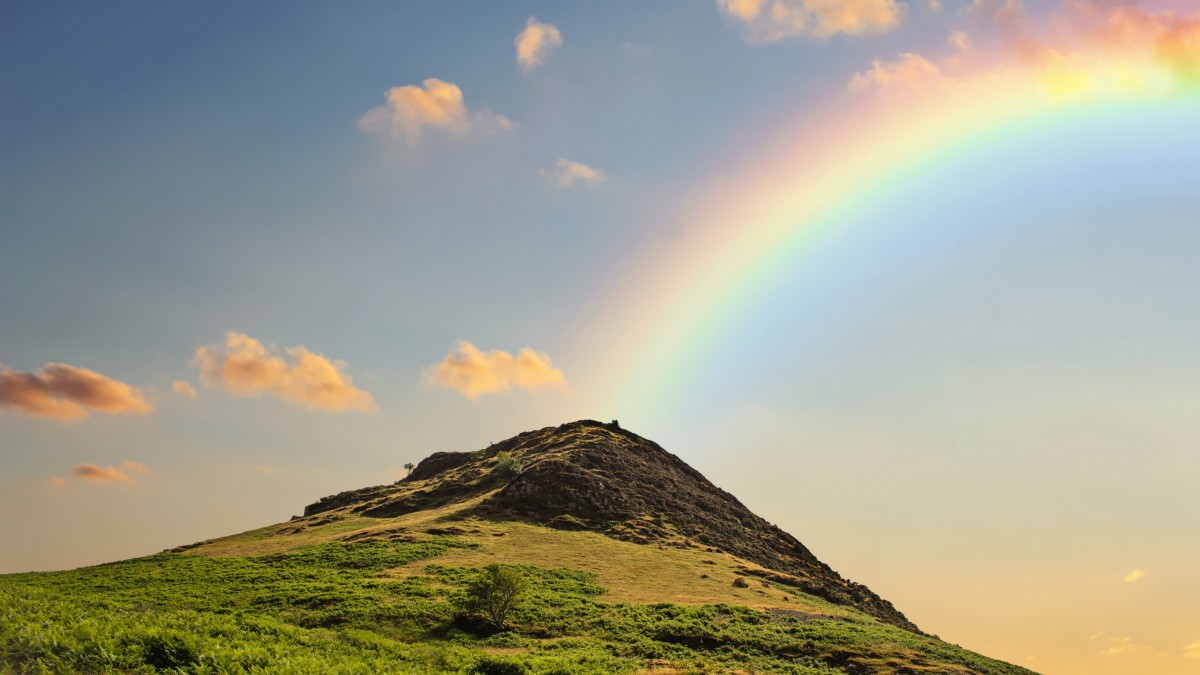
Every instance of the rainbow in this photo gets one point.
(670, 314)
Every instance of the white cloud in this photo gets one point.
(568, 173)
(536, 43)
(436, 104)
(1134, 576)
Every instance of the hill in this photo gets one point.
(636, 563)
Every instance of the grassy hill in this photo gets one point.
(624, 576)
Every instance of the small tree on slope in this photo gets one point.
(495, 592)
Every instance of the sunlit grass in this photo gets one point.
(391, 607)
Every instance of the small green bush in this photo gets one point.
(507, 466)
(495, 593)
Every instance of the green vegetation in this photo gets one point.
(507, 466)
(495, 593)
(336, 608)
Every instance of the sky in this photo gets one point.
(915, 280)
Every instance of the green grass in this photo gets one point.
(330, 608)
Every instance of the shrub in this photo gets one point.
(507, 466)
(495, 592)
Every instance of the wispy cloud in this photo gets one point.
(1192, 651)
(567, 173)
(108, 474)
(773, 20)
(436, 104)
(474, 373)
(244, 366)
(1134, 575)
(908, 70)
(135, 467)
(1115, 45)
(1123, 644)
(64, 392)
(536, 43)
(183, 388)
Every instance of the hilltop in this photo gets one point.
(598, 477)
(635, 562)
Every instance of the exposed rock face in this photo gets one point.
(599, 477)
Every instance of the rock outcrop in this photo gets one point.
(588, 475)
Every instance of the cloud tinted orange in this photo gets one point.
(64, 392)
(474, 373)
(108, 474)
(245, 367)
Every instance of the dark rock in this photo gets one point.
(589, 475)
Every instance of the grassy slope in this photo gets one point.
(340, 593)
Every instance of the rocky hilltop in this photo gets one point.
(588, 475)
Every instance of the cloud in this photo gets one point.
(570, 173)
(1192, 651)
(961, 41)
(773, 20)
(135, 467)
(436, 104)
(1134, 576)
(536, 43)
(1086, 48)
(245, 367)
(1123, 644)
(57, 482)
(474, 373)
(183, 389)
(1173, 39)
(908, 71)
(65, 392)
(110, 474)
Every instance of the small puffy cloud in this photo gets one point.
(183, 388)
(474, 373)
(57, 482)
(773, 20)
(436, 104)
(535, 43)
(908, 71)
(103, 474)
(1192, 651)
(65, 392)
(245, 367)
(568, 173)
(1134, 576)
